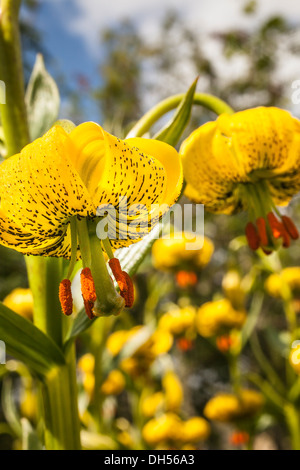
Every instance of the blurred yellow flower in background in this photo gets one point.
(20, 301)
(173, 391)
(145, 348)
(233, 289)
(114, 383)
(86, 363)
(227, 407)
(214, 317)
(178, 320)
(276, 283)
(195, 429)
(169, 428)
(164, 428)
(171, 254)
(153, 403)
(294, 358)
(29, 404)
(247, 161)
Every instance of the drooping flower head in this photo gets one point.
(247, 161)
(52, 190)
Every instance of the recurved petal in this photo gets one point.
(262, 139)
(40, 192)
(211, 175)
(131, 176)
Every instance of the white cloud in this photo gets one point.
(205, 15)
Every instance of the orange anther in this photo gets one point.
(290, 227)
(124, 282)
(252, 236)
(262, 231)
(87, 286)
(88, 291)
(65, 297)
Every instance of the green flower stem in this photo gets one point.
(293, 423)
(108, 248)
(266, 366)
(13, 113)
(99, 337)
(44, 275)
(235, 375)
(289, 411)
(59, 390)
(151, 117)
(59, 396)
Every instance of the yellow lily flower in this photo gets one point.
(227, 407)
(247, 161)
(52, 189)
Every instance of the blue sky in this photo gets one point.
(71, 28)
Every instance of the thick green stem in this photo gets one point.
(151, 117)
(59, 395)
(44, 275)
(13, 112)
(59, 390)
(293, 423)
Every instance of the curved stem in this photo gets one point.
(13, 113)
(151, 117)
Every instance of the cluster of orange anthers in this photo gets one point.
(89, 292)
(267, 231)
(186, 279)
(224, 343)
(239, 438)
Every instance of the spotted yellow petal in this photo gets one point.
(40, 191)
(246, 147)
(133, 176)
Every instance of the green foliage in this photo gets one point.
(42, 100)
(27, 343)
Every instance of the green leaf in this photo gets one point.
(9, 408)
(173, 130)
(252, 318)
(26, 342)
(42, 100)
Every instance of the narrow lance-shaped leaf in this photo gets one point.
(27, 343)
(42, 100)
(173, 130)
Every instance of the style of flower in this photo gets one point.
(50, 193)
(247, 161)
